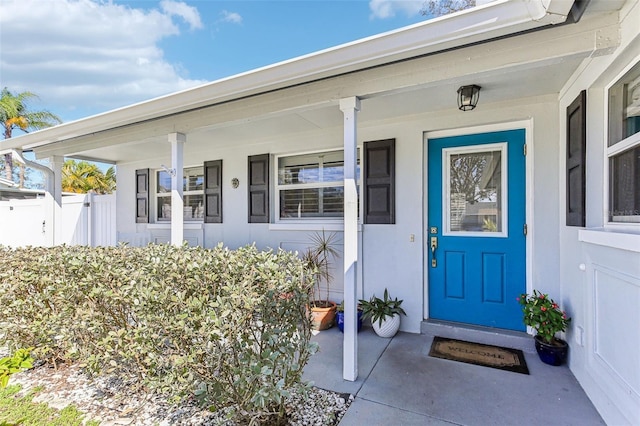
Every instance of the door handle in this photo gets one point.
(434, 246)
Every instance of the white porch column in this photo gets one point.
(350, 107)
(177, 141)
(56, 192)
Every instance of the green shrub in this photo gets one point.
(229, 326)
(20, 360)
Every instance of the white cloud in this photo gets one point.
(231, 17)
(88, 54)
(388, 8)
(188, 13)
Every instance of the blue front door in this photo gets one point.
(476, 228)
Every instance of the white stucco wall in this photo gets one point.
(600, 264)
(587, 278)
(389, 258)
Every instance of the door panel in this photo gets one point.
(476, 203)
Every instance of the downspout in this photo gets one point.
(550, 11)
(50, 198)
(50, 175)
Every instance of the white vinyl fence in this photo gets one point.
(87, 219)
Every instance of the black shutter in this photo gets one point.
(213, 191)
(576, 159)
(379, 175)
(142, 196)
(258, 188)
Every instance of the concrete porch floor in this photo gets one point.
(399, 384)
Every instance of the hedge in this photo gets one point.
(227, 326)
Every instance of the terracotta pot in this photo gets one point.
(323, 315)
(388, 328)
(554, 353)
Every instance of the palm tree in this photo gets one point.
(15, 114)
(81, 177)
(110, 176)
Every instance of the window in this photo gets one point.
(311, 185)
(474, 201)
(193, 193)
(624, 148)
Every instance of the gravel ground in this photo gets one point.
(110, 401)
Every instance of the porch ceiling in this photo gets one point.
(497, 86)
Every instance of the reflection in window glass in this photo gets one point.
(475, 192)
(312, 202)
(312, 185)
(193, 179)
(311, 168)
(193, 208)
(624, 148)
(625, 186)
(163, 182)
(193, 194)
(624, 107)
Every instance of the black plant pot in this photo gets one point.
(554, 353)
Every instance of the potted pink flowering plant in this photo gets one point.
(546, 317)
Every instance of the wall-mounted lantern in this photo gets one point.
(468, 97)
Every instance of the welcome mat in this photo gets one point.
(479, 354)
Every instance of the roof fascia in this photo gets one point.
(499, 18)
(7, 183)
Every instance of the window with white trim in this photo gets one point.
(311, 186)
(623, 149)
(192, 191)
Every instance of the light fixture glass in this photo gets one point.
(468, 97)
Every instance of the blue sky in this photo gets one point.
(83, 57)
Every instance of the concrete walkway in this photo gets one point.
(399, 384)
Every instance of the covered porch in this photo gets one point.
(326, 102)
(399, 383)
(401, 86)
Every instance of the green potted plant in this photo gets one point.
(340, 317)
(545, 316)
(384, 314)
(317, 259)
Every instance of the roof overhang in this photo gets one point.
(6, 183)
(492, 20)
